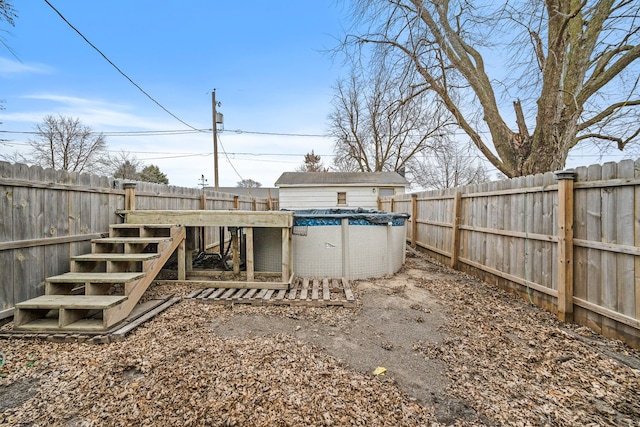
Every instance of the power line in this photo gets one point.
(116, 67)
(174, 155)
(181, 132)
(229, 160)
(240, 131)
(153, 132)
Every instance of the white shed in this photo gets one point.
(349, 190)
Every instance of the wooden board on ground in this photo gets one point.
(228, 284)
(324, 293)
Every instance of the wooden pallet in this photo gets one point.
(302, 292)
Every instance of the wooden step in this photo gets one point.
(132, 240)
(96, 277)
(88, 283)
(128, 225)
(107, 262)
(115, 257)
(140, 230)
(62, 312)
(88, 302)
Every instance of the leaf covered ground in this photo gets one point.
(489, 357)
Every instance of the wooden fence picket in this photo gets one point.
(576, 254)
(46, 216)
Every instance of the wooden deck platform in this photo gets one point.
(302, 292)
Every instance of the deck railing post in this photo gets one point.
(202, 231)
(249, 254)
(565, 244)
(129, 196)
(286, 253)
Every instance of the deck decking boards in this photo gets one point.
(239, 294)
(206, 293)
(324, 293)
(347, 290)
(305, 289)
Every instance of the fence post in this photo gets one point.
(455, 233)
(565, 244)
(414, 219)
(236, 202)
(129, 196)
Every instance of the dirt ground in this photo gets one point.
(456, 352)
(392, 317)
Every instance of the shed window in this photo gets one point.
(384, 192)
(342, 198)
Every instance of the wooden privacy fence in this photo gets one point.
(46, 216)
(569, 241)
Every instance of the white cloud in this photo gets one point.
(183, 157)
(9, 68)
(97, 114)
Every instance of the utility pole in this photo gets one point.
(214, 104)
(215, 139)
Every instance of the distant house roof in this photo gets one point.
(305, 179)
(257, 192)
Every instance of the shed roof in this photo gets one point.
(305, 179)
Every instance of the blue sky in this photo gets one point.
(266, 60)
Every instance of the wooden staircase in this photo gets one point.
(104, 286)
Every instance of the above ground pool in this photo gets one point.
(337, 243)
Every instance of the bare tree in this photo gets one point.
(7, 14)
(568, 70)
(66, 144)
(451, 165)
(380, 122)
(124, 165)
(312, 163)
(248, 183)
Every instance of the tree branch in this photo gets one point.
(606, 113)
(603, 76)
(619, 141)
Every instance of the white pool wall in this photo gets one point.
(335, 247)
(353, 248)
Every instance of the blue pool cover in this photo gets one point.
(359, 216)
